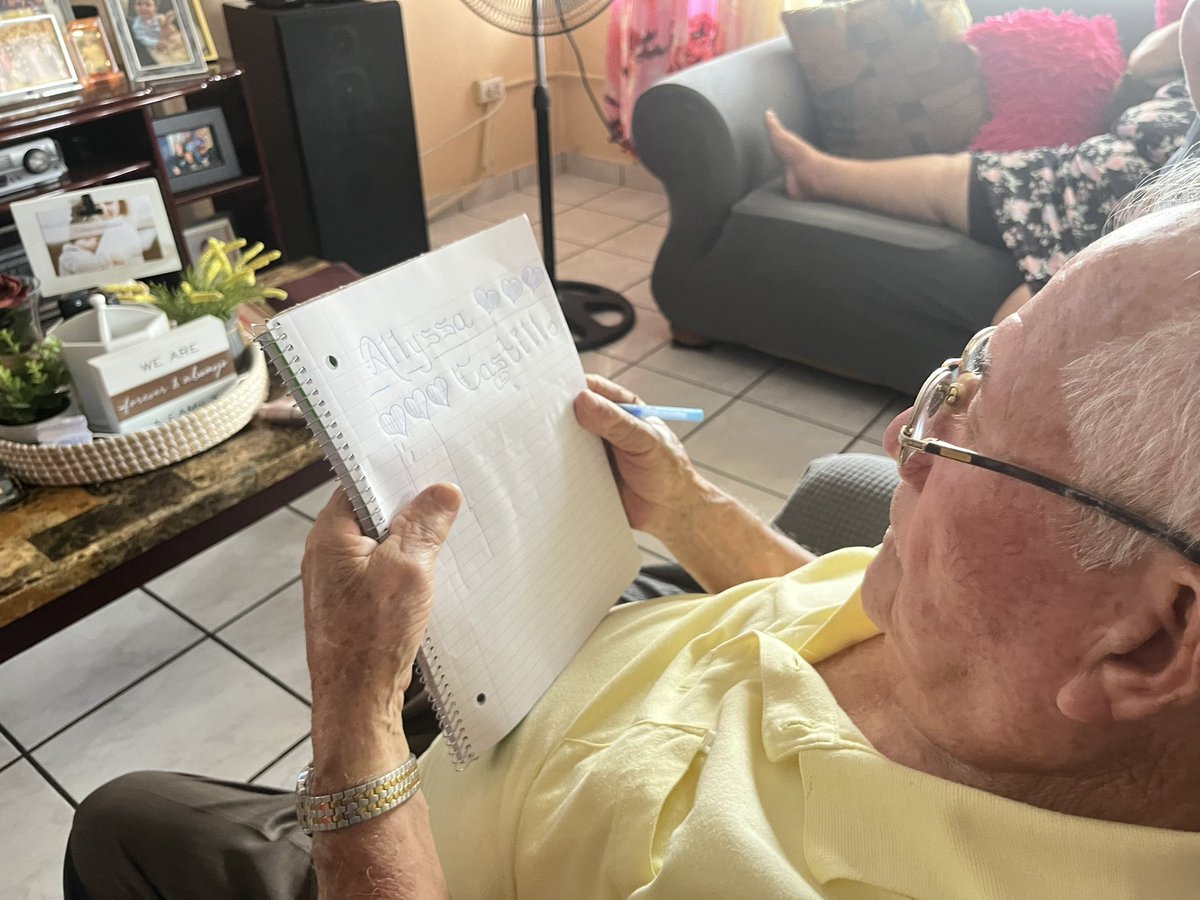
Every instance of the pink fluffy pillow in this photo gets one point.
(1049, 77)
(1167, 11)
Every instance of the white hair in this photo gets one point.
(1134, 410)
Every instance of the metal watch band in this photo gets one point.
(329, 812)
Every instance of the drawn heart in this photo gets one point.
(489, 300)
(415, 405)
(393, 421)
(512, 288)
(533, 276)
(437, 393)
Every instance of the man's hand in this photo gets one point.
(658, 485)
(366, 606)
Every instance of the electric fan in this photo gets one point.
(595, 314)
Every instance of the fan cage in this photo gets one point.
(558, 16)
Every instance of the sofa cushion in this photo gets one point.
(889, 77)
(1050, 77)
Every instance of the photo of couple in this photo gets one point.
(86, 236)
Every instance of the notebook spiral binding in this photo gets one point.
(324, 427)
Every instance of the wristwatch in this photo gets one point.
(329, 812)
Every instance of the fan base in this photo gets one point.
(581, 302)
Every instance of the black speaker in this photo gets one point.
(330, 93)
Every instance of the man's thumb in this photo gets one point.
(429, 516)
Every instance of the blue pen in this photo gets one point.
(666, 413)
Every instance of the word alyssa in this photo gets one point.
(414, 355)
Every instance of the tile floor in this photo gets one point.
(203, 668)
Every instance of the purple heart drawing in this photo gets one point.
(415, 405)
(393, 421)
(512, 288)
(533, 276)
(437, 392)
(488, 300)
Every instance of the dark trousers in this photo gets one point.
(169, 835)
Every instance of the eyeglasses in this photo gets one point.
(943, 388)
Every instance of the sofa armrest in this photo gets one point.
(842, 500)
(701, 131)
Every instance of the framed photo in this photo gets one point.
(206, 38)
(93, 54)
(196, 236)
(158, 38)
(60, 9)
(196, 149)
(34, 61)
(99, 235)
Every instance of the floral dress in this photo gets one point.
(1050, 203)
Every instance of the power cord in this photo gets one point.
(583, 75)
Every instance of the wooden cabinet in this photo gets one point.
(108, 136)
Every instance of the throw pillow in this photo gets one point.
(889, 77)
(1050, 77)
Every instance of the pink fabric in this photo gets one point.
(1167, 11)
(1049, 77)
(649, 39)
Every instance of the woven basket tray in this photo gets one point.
(107, 459)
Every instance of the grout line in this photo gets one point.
(741, 479)
(27, 755)
(259, 774)
(249, 609)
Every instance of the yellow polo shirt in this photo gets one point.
(692, 750)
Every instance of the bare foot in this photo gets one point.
(800, 159)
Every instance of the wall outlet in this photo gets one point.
(489, 90)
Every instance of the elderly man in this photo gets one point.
(1003, 700)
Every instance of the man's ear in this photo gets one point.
(1148, 661)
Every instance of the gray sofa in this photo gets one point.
(853, 292)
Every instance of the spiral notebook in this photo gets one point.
(458, 366)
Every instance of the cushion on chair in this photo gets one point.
(843, 500)
(889, 77)
(1050, 77)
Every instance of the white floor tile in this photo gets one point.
(64, 676)
(723, 367)
(662, 390)
(572, 189)
(599, 364)
(588, 227)
(314, 501)
(455, 228)
(283, 774)
(641, 296)
(884, 419)
(273, 636)
(641, 242)
(837, 402)
(763, 502)
(628, 203)
(31, 854)
(7, 752)
(563, 250)
(605, 269)
(245, 567)
(207, 712)
(650, 331)
(512, 205)
(861, 446)
(762, 446)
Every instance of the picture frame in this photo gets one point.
(48, 70)
(158, 39)
(196, 236)
(196, 149)
(207, 45)
(100, 235)
(95, 61)
(60, 9)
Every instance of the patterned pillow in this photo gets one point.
(1050, 77)
(889, 77)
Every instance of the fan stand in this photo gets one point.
(588, 308)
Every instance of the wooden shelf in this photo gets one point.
(216, 190)
(84, 179)
(24, 122)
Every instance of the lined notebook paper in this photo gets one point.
(458, 366)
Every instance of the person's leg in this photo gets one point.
(931, 188)
(159, 834)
